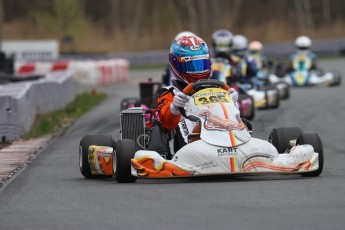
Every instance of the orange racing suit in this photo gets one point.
(169, 120)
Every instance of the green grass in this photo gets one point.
(53, 122)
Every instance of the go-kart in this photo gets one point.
(264, 97)
(148, 95)
(302, 75)
(220, 144)
(220, 71)
(264, 80)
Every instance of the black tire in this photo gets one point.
(252, 115)
(314, 140)
(280, 137)
(86, 141)
(125, 150)
(266, 100)
(286, 91)
(278, 101)
(268, 88)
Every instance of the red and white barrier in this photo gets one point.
(91, 72)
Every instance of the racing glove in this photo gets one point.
(180, 100)
(234, 96)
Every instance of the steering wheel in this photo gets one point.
(191, 88)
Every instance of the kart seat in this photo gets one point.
(148, 92)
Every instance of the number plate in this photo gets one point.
(211, 96)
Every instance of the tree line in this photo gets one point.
(129, 25)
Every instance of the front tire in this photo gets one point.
(280, 137)
(314, 140)
(125, 150)
(250, 114)
(86, 141)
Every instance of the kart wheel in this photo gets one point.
(284, 92)
(314, 140)
(125, 150)
(245, 111)
(280, 137)
(100, 140)
(277, 101)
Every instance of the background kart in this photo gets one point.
(148, 92)
(302, 75)
(264, 98)
(217, 146)
(266, 79)
(220, 71)
(301, 78)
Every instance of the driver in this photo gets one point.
(255, 49)
(168, 74)
(243, 65)
(222, 42)
(190, 60)
(303, 44)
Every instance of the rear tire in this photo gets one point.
(125, 150)
(314, 140)
(276, 105)
(280, 137)
(86, 141)
(252, 107)
(286, 93)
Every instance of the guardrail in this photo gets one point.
(21, 102)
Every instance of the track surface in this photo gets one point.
(52, 194)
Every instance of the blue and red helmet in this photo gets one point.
(190, 59)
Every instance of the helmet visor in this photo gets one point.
(192, 64)
(240, 53)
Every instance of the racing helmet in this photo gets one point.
(255, 47)
(222, 41)
(184, 33)
(189, 58)
(303, 42)
(239, 46)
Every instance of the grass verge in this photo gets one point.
(52, 122)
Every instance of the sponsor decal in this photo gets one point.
(210, 96)
(184, 128)
(227, 152)
(205, 165)
(195, 47)
(145, 167)
(100, 160)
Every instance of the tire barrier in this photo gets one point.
(20, 103)
(86, 72)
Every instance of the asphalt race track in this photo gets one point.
(52, 194)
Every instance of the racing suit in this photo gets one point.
(261, 61)
(177, 122)
(171, 121)
(242, 71)
(307, 54)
